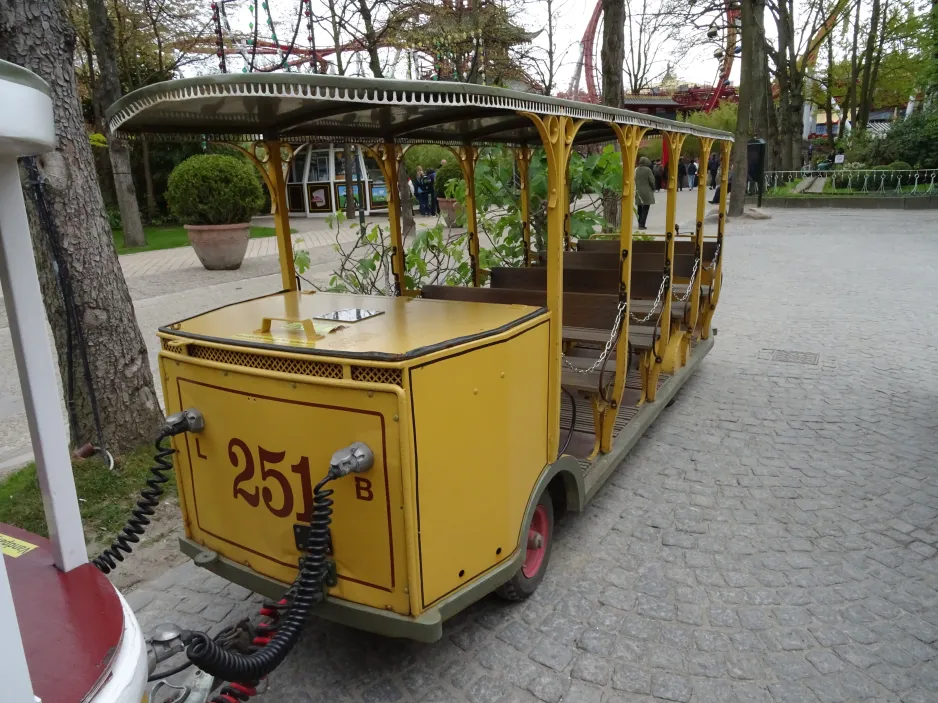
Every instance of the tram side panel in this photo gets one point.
(245, 482)
(480, 431)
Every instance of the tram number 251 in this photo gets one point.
(241, 457)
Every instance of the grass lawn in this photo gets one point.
(105, 497)
(172, 237)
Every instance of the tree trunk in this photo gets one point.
(796, 121)
(878, 59)
(350, 209)
(848, 113)
(784, 123)
(612, 54)
(371, 40)
(866, 86)
(613, 57)
(759, 66)
(408, 225)
(739, 169)
(829, 96)
(39, 37)
(148, 180)
(102, 34)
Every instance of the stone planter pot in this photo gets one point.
(220, 247)
(451, 209)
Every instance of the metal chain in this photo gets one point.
(690, 285)
(716, 255)
(664, 282)
(620, 311)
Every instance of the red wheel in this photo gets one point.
(540, 535)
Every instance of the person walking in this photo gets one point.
(681, 174)
(658, 172)
(692, 174)
(713, 165)
(420, 190)
(433, 207)
(644, 190)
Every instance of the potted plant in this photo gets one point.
(215, 196)
(449, 174)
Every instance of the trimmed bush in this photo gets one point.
(900, 166)
(444, 175)
(214, 189)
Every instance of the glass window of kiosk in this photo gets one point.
(298, 167)
(340, 166)
(373, 171)
(319, 166)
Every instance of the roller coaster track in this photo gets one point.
(586, 64)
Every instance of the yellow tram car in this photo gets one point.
(489, 409)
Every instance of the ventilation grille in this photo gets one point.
(375, 374)
(300, 367)
(322, 369)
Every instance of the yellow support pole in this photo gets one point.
(557, 133)
(716, 275)
(706, 144)
(629, 139)
(662, 355)
(278, 196)
(523, 159)
(467, 156)
(388, 157)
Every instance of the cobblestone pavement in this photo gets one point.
(772, 538)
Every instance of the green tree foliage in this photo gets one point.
(913, 140)
(446, 176)
(427, 156)
(212, 189)
(722, 117)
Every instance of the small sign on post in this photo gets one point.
(839, 158)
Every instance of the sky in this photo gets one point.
(696, 66)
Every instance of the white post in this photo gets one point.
(29, 332)
(17, 688)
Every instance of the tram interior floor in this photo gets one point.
(583, 440)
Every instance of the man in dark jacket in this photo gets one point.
(692, 174)
(713, 165)
(681, 174)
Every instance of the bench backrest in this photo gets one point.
(682, 247)
(589, 310)
(647, 255)
(645, 284)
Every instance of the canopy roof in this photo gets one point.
(314, 107)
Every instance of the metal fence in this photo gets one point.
(875, 182)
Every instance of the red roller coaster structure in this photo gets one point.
(694, 98)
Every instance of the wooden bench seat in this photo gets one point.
(645, 284)
(590, 317)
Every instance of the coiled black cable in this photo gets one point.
(146, 507)
(308, 590)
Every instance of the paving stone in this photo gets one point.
(825, 661)
(580, 692)
(553, 654)
(631, 679)
(788, 667)
(671, 687)
(548, 686)
(711, 691)
(639, 628)
(592, 668)
(744, 665)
